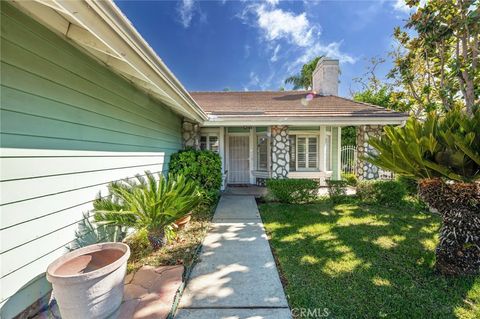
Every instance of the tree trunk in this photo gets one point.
(458, 252)
(157, 238)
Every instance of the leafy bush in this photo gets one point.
(411, 184)
(293, 191)
(337, 190)
(350, 178)
(148, 203)
(203, 167)
(388, 193)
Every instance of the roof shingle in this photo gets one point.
(285, 103)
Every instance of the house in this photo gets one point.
(286, 134)
(85, 101)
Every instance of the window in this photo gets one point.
(292, 150)
(307, 152)
(213, 143)
(262, 153)
(328, 152)
(209, 142)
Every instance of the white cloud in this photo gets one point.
(274, 58)
(186, 10)
(295, 35)
(272, 2)
(278, 24)
(401, 6)
(332, 50)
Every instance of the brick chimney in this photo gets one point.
(325, 77)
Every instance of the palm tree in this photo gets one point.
(148, 203)
(304, 78)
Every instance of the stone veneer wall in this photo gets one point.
(280, 153)
(366, 170)
(191, 135)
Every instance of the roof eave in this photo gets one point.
(103, 31)
(305, 121)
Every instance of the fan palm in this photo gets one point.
(149, 203)
(304, 78)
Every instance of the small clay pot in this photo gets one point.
(182, 222)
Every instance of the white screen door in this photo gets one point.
(239, 160)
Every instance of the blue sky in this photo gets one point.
(242, 45)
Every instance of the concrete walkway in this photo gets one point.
(236, 276)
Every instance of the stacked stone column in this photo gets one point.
(191, 135)
(280, 152)
(366, 170)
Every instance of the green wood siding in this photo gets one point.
(69, 126)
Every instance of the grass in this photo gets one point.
(365, 262)
(178, 252)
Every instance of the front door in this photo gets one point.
(238, 159)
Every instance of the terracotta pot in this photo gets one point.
(182, 222)
(88, 282)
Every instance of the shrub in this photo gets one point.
(203, 167)
(337, 190)
(411, 184)
(293, 191)
(388, 193)
(350, 178)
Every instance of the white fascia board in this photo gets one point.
(116, 36)
(339, 121)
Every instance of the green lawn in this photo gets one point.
(365, 262)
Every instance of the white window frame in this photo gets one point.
(257, 135)
(208, 135)
(307, 169)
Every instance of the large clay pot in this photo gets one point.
(88, 282)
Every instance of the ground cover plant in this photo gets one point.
(365, 261)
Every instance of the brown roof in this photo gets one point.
(285, 103)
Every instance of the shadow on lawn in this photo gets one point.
(363, 261)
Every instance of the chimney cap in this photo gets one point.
(327, 60)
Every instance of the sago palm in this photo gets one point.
(443, 152)
(151, 202)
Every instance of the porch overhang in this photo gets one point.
(215, 121)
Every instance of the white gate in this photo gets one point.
(349, 159)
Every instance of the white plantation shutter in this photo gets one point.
(302, 152)
(312, 152)
(307, 152)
